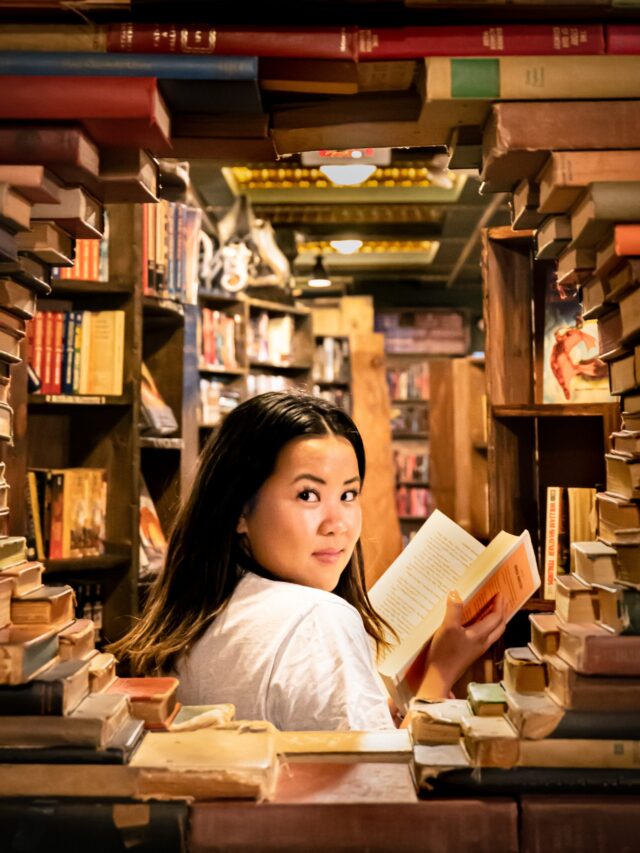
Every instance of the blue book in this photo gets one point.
(68, 352)
(162, 66)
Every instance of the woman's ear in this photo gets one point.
(241, 526)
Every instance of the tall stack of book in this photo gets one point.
(568, 700)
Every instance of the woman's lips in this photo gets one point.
(329, 555)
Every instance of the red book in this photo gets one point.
(66, 151)
(623, 39)
(47, 350)
(312, 43)
(56, 383)
(125, 111)
(627, 240)
(153, 699)
(480, 40)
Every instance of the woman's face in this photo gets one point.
(306, 518)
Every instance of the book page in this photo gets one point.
(507, 565)
(426, 571)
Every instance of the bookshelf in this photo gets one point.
(331, 373)
(458, 426)
(103, 431)
(246, 346)
(531, 445)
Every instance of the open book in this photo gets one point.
(412, 593)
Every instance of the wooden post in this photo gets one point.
(381, 537)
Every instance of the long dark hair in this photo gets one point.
(205, 558)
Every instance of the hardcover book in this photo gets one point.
(55, 692)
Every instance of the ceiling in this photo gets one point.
(440, 223)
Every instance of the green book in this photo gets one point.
(486, 700)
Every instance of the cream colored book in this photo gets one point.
(412, 593)
(393, 745)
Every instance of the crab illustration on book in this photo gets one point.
(563, 363)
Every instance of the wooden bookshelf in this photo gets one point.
(103, 431)
(531, 445)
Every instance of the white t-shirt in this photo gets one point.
(297, 656)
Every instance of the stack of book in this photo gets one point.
(571, 697)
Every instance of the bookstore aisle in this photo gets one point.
(425, 212)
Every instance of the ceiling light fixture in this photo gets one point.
(319, 276)
(348, 175)
(346, 247)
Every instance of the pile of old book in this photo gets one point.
(62, 704)
(569, 699)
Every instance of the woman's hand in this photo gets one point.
(455, 647)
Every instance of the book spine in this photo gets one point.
(58, 352)
(69, 350)
(47, 350)
(551, 545)
(623, 39)
(77, 350)
(32, 488)
(57, 497)
(311, 43)
(535, 78)
(74, 97)
(509, 40)
(39, 698)
(62, 64)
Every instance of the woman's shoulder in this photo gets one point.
(292, 597)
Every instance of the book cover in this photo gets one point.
(513, 78)
(480, 40)
(67, 151)
(411, 594)
(153, 544)
(309, 42)
(572, 372)
(55, 692)
(88, 64)
(25, 650)
(111, 109)
(158, 419)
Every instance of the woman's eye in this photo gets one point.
(309, 495)
(351, 495)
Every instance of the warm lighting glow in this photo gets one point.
(348, 176)
(346, 247)
(319, 277)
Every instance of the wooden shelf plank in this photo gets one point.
(221, 297)
(529, 410)
(73, 287)
(221, 370)
(155, 306)
(282, 368)
(78, 400)
(277, 307)
(98, 563)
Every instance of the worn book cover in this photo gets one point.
(573, 372)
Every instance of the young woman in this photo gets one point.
(262, 601)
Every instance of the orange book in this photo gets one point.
(627, 239)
